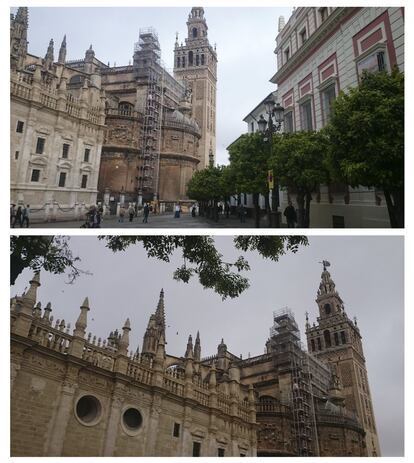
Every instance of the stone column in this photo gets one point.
(153, 430)
(113, 422)
(186, 447)
(15, 363)
(54, 447)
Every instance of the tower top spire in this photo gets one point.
(327, 285)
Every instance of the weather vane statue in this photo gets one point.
(325, 264)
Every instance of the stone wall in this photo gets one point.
(76, 395)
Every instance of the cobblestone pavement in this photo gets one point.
(158, 221)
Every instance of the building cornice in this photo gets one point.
(313, 43)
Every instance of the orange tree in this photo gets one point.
(249, 156)
(366, 133)
(299, 160)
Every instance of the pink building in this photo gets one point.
(321, 51)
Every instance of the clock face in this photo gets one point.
(327, 309)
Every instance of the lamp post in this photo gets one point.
(268, 128)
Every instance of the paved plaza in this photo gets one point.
(166, 220)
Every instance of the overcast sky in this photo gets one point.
(368, 272)
(245, 38)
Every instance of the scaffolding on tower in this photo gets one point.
(289, 354)
(148, 68)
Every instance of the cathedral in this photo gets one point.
(76, 394)
(83, 131)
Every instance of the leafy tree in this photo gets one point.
(51, 253)
(204, 186)
(228, 185)
(366, 132)
(299, 162)
(249, 160)
(200, 256)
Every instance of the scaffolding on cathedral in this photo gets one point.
(290, 355)
(148, 68)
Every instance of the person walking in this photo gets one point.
(131, 212)
(12, 215)
(121, 214)
(177, 211)
(146, 213)
(290, 214)
(91, 217)
(227, 210)
(18, 219)
(25, 216)
(242, 213)
(193, 211)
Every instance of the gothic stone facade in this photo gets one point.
(83, 131)
(75, 395)
(56, 131)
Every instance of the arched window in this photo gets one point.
(195, 32)
(183, 61)
(336, 337)
(125, 108)
(327, 308)
(313, 345)
(178, 62)
(319, 343)
(327, 337)
(202, 60)
(190, 58)
(197, 60)
(343, 337)
(77, 80)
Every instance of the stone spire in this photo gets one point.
(124, 341)
(89, 54)
(62, 51)
(221, 349)
(29, 299)
(22, 16)
(189, 351)
(155, 328)
(49, 57)
(18, 38)
(160, 312)
(326, 286)
(197, 348)
(82, 321)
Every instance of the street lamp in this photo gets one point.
(268, 128)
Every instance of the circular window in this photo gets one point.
(132, 419)
(88, 410)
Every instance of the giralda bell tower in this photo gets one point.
(336, 339)
(196, 63)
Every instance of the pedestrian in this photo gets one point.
(100, 214)
(25, 216)
(91, 217)
(12, 215)
(146, 213)
(290, 215)
(131, 212)
(18, 219)
(227, 210)
(121, 214)
(98, 217)
(193, 211)
(242, 213)
(177, 211)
